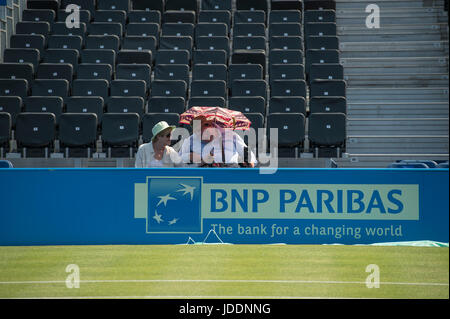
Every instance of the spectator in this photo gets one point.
(158, 153)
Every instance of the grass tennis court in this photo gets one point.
(224, 271)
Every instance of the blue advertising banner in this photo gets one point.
(176, 205)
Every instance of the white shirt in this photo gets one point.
(145, 157)
(234, 150)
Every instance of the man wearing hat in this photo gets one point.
(158, 153)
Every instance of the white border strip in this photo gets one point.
(222, 281)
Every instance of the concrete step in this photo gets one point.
(361, 20)
(393, 46)
(394, 54)
(388, 10)
(397, 127)
(384, 37)
(392, 62)
(362, 4)
(397, 110)
(400, 69)
(416, 28)
(396, 80)
(397, 144)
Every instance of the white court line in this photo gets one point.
(223, 281)
(192, 297)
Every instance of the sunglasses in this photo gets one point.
(164, 135)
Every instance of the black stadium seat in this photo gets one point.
(182, 5)
(36, 15)
(86, 104)
(150, 119)
(118, 16)
(17, 71)
(35, 133)
(285, 16)
(18, 55)
(210, 72)
(27, 41)
(140, 43)
(319, 5)
(209, 57)
(12, 105)
(83, 4)
(140, 16)
(328, 88)
(50, 87)
(251, 5)
(99, 87)
(178, 29)
(122, 104)
(128, 88)
(206, 101)
(209, 88)
(134, 56)
(287, 72)
(134, 72)
(55, 71)
(161, 104)
(206, 29)
(46, 104)
(215, 16)
(172, 72)
(329, 71)
(287, 104)
(320, 16)
(16, 87)
(147, 5)
(286, 4)
(327, 132)
(249, 57)
(168, 88)
(249, 29)
(320, 57)
(244, 71)
(110, 42)
(249, 16)
(58, 41)
(5, 132)
(288, 88)
(120, 132)
(216, 5)
(28, 27)
(249, 43)
(175, 16)
(92, 71)
(248, 104)
(124, 5)
(249, 88)
(328, 104)
(328, 42)
(172, 57)
(43, 4)
(291, 132)
(78, 134)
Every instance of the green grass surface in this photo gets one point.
(224, 271)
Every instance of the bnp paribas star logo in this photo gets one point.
(169, 204)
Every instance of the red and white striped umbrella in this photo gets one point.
(222, 117)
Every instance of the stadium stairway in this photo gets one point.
(397, 81)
